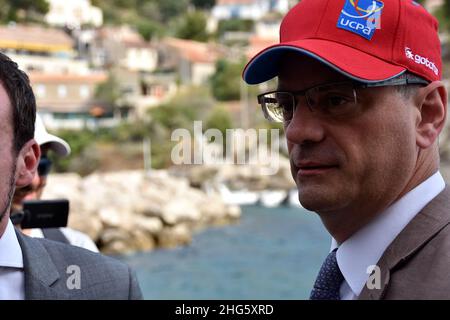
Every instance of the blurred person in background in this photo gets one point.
(48, 142)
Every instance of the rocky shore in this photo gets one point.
(255, 177)
(133, 210)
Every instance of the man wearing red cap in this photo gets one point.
(360, 97)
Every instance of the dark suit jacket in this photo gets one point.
(50, 268)
(416, 265)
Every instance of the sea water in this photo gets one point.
(272, 253)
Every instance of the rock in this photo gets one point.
(150, 225)
(115, 241)
(141, 241)
(115, 247)
(180, 210)
(171, 237)
(234, 212)
(148, 207)
(87, 223)
(114, 234)
(212, 209)
(62, 186)
(111, 217)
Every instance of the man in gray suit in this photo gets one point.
(38, 268)
(362, 103)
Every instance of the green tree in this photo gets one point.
(23, 10)
(442, 13)
(149, 29)
(220, 119)
(234, 25)
(109, 91)
(150, 10)
(79, 142)
(203, 4)
(172, 8)
(226, 82)
(446, 8)
(193, 27)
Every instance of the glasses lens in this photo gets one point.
(278, 106)
(44, 166)
(333, 99)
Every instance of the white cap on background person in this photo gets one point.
(58, 145)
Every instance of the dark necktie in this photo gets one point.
(328, 281)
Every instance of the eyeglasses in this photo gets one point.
(44, 167)
(333, 99)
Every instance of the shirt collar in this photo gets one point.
(10, 250)
(366, 246)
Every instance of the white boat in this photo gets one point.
(239, 197)
(272, 198)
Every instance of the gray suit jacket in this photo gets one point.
(55, 270)
(416, 265)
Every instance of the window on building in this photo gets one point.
(84, 91)
(40, 90)
(62, 91)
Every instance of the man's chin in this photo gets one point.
(318, 198)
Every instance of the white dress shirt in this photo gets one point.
(12, 278)
(365, 247)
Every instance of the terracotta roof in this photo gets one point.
(124, 34)
(256, 44)
(64, 78)
(34, 38)
(194, 51)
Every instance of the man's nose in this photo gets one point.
(305, 126)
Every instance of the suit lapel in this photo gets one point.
(427, 223)
(39, 269)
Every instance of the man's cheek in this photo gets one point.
(290, 146)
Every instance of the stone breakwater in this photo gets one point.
(132, 210)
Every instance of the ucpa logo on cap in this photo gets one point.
(362, 17)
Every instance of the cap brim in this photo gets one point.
(58, 145)
(349, 61)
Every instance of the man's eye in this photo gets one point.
(337, 104)
(284, 104)
(337, 100)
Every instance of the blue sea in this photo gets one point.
(271, 253)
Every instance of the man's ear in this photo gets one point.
(27, 162)
(432, 106)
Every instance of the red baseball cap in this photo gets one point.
(366, 40)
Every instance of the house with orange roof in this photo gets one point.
(195, 62)
(133, 60)
(68, 100)
(123, 47)
(41, 49)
